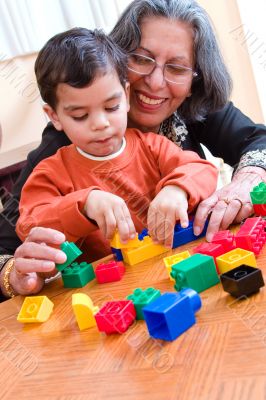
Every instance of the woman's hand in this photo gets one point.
(35, 260)
(110, 212)
(167, 207)
(229, 204)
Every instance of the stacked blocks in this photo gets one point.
(235, 258)
(117, 253)
(141, 298)
(35, 309)
(145, 251)
(72, 252)
(174, 259)
(197, 272)
(84, 310)
(186, 235)
(117, 244)
(171, 314)
(251, 235)
(242, 281)
(258, 198)
(115, 316)
(77, 275)
(109, 272)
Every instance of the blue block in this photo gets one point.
(143, 233)
(186, 235)
(171, 314)
(117, 254)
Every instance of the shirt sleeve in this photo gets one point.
(231, 135)
(185, 169)
(43, 204)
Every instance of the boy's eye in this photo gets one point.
(83, 117)
(113, 108)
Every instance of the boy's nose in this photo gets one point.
(99, 122)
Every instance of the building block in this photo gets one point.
(117, 253)
(226, 239)
(235, 258)
(174, 259)
(242, 281)
(117, 244)
(210, 249)
(141, 298)
(147, 250)
(171, 314)
(258, 194)
(260, 209)
(186, 235)
(143, 233)
(109, 272)
(115, 316)
(197, 272)
(77, 275)
(35, 309)
(251, 235)
(72, 252)
(84, 310)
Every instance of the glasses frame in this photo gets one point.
(162, 67)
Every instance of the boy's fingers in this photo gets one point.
(151, 222)
(122, 216)
(131, 227)
(108, 225)
(169, 225)
(183, 217)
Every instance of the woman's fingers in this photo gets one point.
(35, 257)
(46, 235)
(202, 213)
(25, 284)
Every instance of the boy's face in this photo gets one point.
(94, 117)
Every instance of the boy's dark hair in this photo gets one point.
(76, 57)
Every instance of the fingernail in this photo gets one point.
(59, 237)
(209, 237)
(196, 230)
(184, 224)
(132, 236)
(60, 257)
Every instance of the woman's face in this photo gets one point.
(152, 98)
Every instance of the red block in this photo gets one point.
(210, 249)
(115, 316)
(226, 239)
(260, 209)
(109, 272)
(251, 235)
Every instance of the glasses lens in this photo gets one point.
(140, 64)
(177, 73)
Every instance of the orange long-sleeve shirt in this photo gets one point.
(55, 193)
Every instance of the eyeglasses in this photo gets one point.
(173, 73)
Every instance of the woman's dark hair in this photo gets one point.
(212, 88)
(76, 57)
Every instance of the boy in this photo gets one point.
(110, 177)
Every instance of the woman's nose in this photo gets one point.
(156, 79)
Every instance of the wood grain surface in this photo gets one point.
(222, 357)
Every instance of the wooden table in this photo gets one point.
(222, 357)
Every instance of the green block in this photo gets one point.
(72, 252)
(258, 194)
(141, 298)
(78, 275)
(197, 272)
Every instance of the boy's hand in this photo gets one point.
(167, 207)
(110, 212)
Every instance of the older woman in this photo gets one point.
(180, 88)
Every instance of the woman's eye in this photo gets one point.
(115, 108)
(82, 118)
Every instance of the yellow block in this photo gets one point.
(235, 258)
(147, 250)
(116, 243)
(84, 310)
(35, 309)
(174, 259)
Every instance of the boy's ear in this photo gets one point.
(53, 117)
(127, 90)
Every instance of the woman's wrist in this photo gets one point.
(260, 172)
(5, 285)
